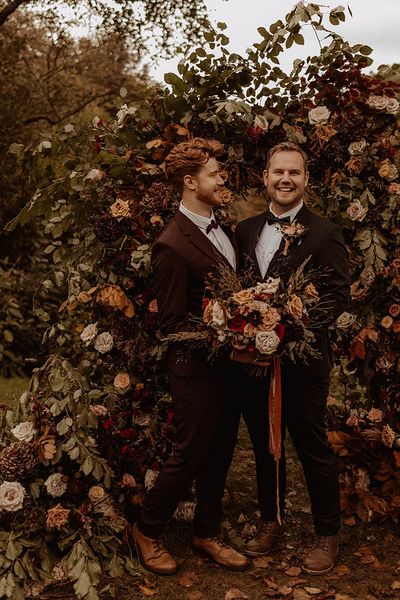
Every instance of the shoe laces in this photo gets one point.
(159, 548)
(219, 542)
(324, 542)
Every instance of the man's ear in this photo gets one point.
(265, 176)
(189, 182)
(307, 178)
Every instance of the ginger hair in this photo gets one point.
(187, 158)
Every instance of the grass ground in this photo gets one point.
(368, 567)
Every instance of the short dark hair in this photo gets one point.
(287, 147)
(188, 157)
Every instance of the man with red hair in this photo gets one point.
(206, 417)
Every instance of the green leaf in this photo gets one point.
(82, 585)
(8, 336)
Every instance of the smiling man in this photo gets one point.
(205, 416)
(304, 387)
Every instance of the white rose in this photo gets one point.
(24, 432)
(318, 115)
(392, 106)
(270, 286)
(356, 211)
(345, 320)
(104, 342)
(89, 333)
(11, 496)
(56, 484)
(377, 102)
(357, 147)
(267, 342)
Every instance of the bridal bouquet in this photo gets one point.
(270, 318)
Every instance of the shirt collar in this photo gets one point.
(198, 220)
(290, 213)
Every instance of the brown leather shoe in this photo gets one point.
(221, 553)
(153, 554)
(266, 539)
(321, 559)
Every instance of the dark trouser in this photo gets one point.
(206, 421)
(303, 414)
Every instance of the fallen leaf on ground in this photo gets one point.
(285, 590)
(350, 522)
(188, 578)
(195, 596)
(341, 570)
(300, 594)
(147, 591)
(262, 562)
(293, 571)
(270, 583)
(234, 593)
(343, 597)
(395, 585)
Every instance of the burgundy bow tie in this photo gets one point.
(212, 225)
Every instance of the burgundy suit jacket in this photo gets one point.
(182, 257)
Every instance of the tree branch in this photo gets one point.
(9, 9)
(73, 112)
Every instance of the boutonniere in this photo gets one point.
(290, 233)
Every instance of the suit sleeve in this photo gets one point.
(336, 285)
(170, 283)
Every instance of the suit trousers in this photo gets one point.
(303, 415)
(206, 419)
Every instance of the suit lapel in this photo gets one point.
(253, 238)
(198, 239)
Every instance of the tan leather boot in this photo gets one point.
(266, 539)
(153, 554)
(321, 559)
(221, 553)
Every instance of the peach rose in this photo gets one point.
(122, 381)
(243, 296)
(57, 516)
(396, 327)
(128, 481)
(249, 330)
(325, 132)
(394, 188)
(270, 320)
(96, 493)
(153, 307)
(394, 310)
(120, 209)
(294, 306)
(356, 164)
(387, 322)
(375, 415)
(387, 170)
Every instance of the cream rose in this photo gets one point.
(357, 147)
(392, 106)
(122, 381)
(270, 286)
(243, 296)
(57, 516)
(56, 484)
(96, 493)
(104, 342)
(150, 479)
(11, 496)
(215, 315)
(356, 211)
(345, 320)
(294, 306)
(24, 432)
(267, 342)
(120, 209)
(377, 102)
(318, 115)
(89, 333)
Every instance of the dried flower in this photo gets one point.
(388, 436)
(269, 320)
(57, 516)
(310, 291)
(96, 493)
(104, 342)
(243, 296)
(318, 115)
(120, 209)
(356, 164)
(387, 322)
(345, 320)
(356, 211)
(89, 333)
(367, 276)
(56, 484)
(357, 147)
(122, 381)
(267, 342)
(388, 170)
(46, 445)
(394, 188)
(114, 297)
(128, 481)
(18, 461)
(215, 315)
(24, 432)
(98, 410)
(11, 496)
(270, 286)
(375, 415)
(325, 132)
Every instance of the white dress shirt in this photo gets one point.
(217, 236)
(270, 239)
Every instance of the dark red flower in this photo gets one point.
(127, 434)
(254, 133)
(108, 424)
(237, 324)
(280, 331)
(205, 303)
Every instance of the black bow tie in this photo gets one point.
(271, 218)
(212, 225)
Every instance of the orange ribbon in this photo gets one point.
(275, 422)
